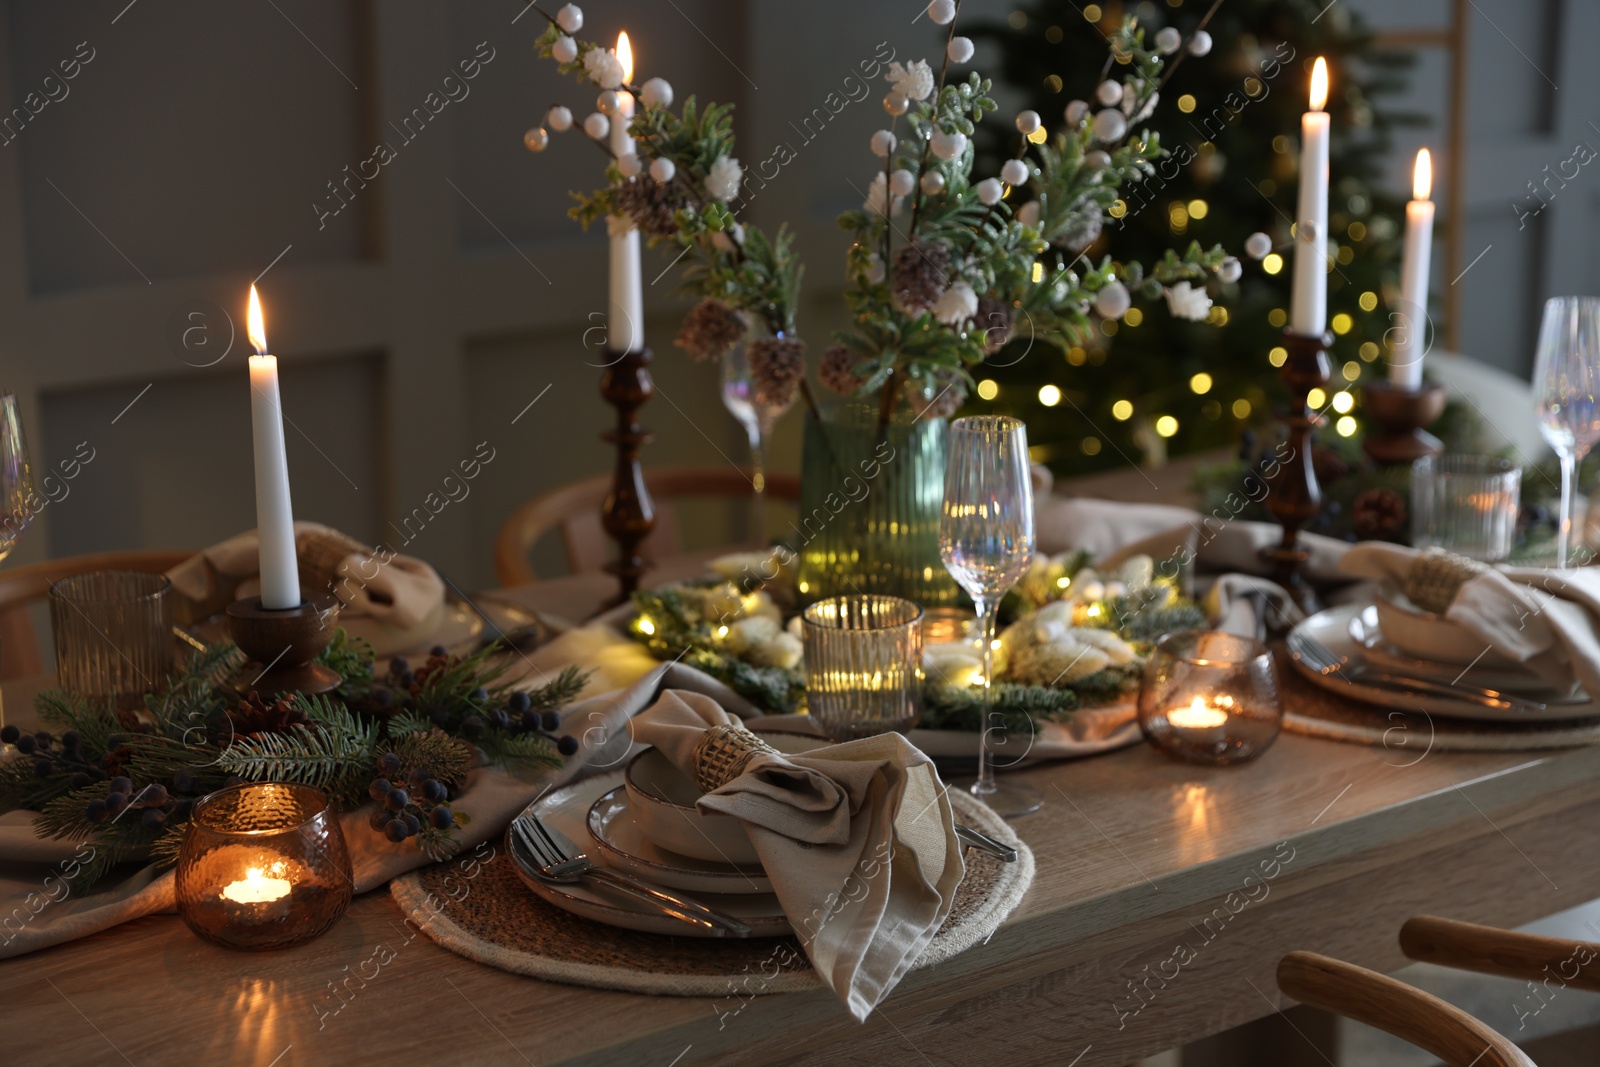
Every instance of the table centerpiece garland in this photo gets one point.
(1072, 638)
(406, 738)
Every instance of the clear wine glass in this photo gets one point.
(17, 502)
(1566, 386)
(745, 403)
(986, 542)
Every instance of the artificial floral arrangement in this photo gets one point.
(127, 782)
(944, 270)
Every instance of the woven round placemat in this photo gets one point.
(1316, 712)
(494, 919)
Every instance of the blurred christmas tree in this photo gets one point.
(1231, 119)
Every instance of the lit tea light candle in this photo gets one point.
(261, 897)
(1203, 720)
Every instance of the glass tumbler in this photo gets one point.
(263, 865)
(1210, 697)
(1466, 504)
(113, 634)
(863, 664)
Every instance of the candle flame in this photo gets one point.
(1422, 176)
(625, 56)
(1319, 84)
(254, 327)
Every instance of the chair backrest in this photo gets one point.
(19, 647)
(575, 510)
(1490, 950)
(1408, 1013)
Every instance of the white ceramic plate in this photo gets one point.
(1331, 628)
(624, 845)
(1364, 630)
(567, 810)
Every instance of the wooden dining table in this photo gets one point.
(1165, 895)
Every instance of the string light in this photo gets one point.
(1200, 383)
(1049, 395)
(1122, 410)
(1346, 426)
(1166, 426)
(1241, 408)
(988, 389)
(1343, 402)
(1273, 263)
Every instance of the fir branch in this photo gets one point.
(315, 755)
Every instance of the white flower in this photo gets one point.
(1200, 43)
(747, 633)
(942, 11)
(1144, 112)
(1108, 92)
(559, 118)
(663, 170)
(932, 182)
(878, 197)
(722, 183)
(565, 50)
(902, 182)
(1229, 270)
(990, 191)
(959, 49)
(875, 272)
(1075, 112)
(597, 126)
(1185, 301)
(1168, 40)
(1257, 245)
(618, 225)
(883, 143)
(956, 304)
(781, 650)
(1029, 121)
(657, 92)
(913, 81)
(1112, 301)
(629, 165)
(604, 68)
(948, 146)
(1028, 214)
(570, 18)
(1110, 125)
(1014, 172)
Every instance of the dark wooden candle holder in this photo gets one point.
(283, 645)
(628, 514)
(1402, 417)
(1293, 496)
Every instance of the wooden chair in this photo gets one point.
(575, 510)
(19, 646)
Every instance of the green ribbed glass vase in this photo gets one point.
(869, 506)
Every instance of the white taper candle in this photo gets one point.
(280, 569)
(1308, 315)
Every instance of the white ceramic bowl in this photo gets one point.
(662, 800)
(1430, 636)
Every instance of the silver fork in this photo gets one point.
(1325, 661)
(557, 859)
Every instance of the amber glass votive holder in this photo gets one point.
(1210, 697)
(263, 865)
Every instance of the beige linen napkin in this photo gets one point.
(398, 591)
(1542, 617)
(858, 839)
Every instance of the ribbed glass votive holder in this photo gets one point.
(863, 664)
(113, 634)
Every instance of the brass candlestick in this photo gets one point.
(283, 645)
(628, 514)
(1403, 417)
(1293, 496)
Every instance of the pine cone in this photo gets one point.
(997, 322)
(938, 399)
(777, 367)
(253, 715)
(1328, 464)
(653, 206)
(922, 272)
(709, 330)
(1378, 515)
(837, 369)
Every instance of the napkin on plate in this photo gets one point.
(858, 838)
(1544, 618)
(397, 591)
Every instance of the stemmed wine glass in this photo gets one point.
(16, 478)
(986, 542)
(1566, 384)
(746, 403)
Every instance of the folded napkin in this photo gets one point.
(858, 838)
(398, 591)
(1546, 619)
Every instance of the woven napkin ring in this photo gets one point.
(1435, 577)
(722, 754)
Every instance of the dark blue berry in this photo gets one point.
(153, 796)
(80, 779)
(115, 802)
(434, 790)
(116, 741)
(398, 666)
(530, 721)
(9, 734)
(45, 738)
(499, 718)
(44, 768)
(379, 788)
(568, 745)
(472, 727)
(396, 800)
(395, 830)
(441, 818)
(382, 697)
(389, 763)
(71, 740)
(519, 702)
(413, 824)
(27, 744)
(379, 819)
(122, 784)
(96, 810)
(550, 721)
(153, 819)
(479, 695)
(408, 679)
(438, 650)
